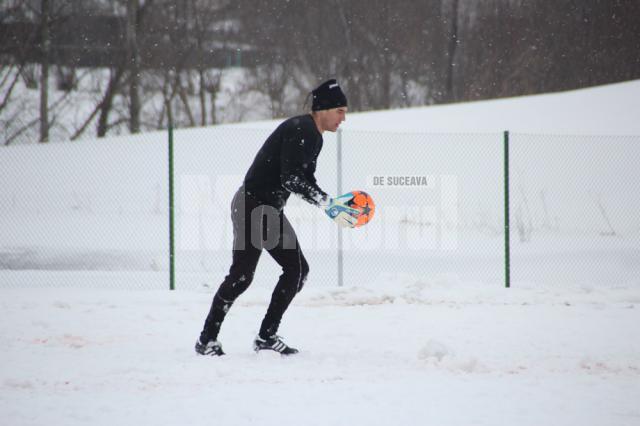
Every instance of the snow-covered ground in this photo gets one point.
(423, 331)
(410, 353)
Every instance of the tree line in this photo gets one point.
(146, 64)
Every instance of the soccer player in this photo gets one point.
(285, 164)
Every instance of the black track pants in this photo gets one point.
(257, 227)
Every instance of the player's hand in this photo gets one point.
(340, 212)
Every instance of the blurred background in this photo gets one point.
(72, 69)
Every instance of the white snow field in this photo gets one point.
(412, 353)
(422, 333)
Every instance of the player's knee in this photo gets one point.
(304, 272)
(297, 269)
(235, 284)
(304, 268)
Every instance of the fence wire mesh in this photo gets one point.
(439, 201)
(88, 214)
(574, 210)
(95, 214)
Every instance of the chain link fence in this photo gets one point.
(87, 214)
(574, 210)
(439, 201)
(95, 214)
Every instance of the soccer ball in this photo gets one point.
(362, 202)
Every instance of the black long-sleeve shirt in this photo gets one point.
(286, 163)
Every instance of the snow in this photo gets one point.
(422, 333)
(605, 110)
(405, 353)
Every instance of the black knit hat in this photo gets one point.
(328, 95)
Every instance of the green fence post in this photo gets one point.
(507, 249)
(172, 272)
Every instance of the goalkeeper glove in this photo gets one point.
(340, 212)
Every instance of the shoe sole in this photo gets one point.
(258, 350)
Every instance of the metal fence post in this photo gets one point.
(172, 274)
(507, 250)
(339, 192)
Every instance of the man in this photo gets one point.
(285, 164)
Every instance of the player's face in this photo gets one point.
(332, 118)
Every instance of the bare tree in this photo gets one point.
(133, 57)
(207, 15)
(106, 104)
(45, 43)
(452, 49)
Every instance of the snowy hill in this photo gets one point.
(610, 110)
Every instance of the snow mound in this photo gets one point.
(449, 291)
(437, 354)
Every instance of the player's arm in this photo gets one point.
(296, 156)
